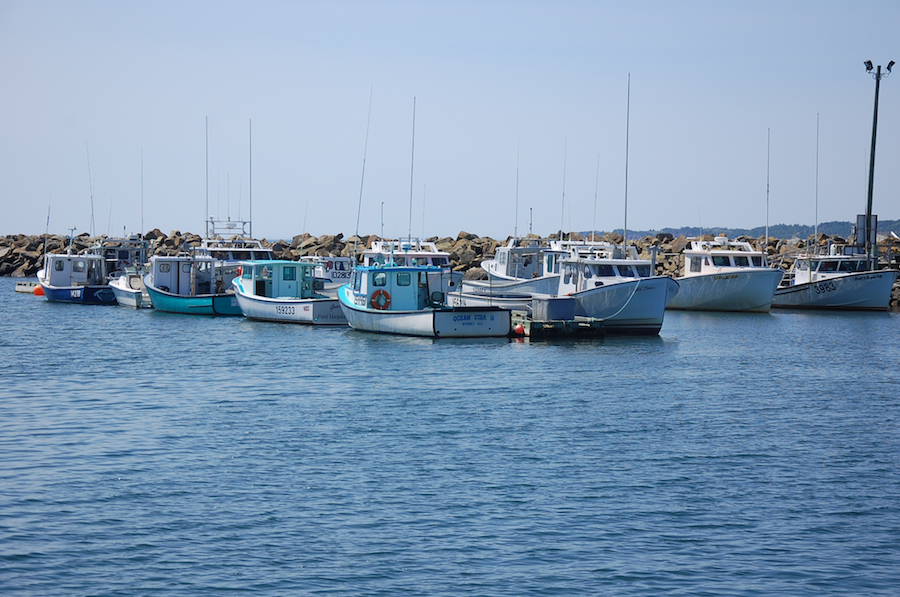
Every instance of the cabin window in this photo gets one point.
(59, 265)
(186, 268)
(741, 261)
(587, 271)
(802, 265)
(827, 266)
(501, 258)
(420, 260)
(440, 261)
(340, 266)
(78, 266)
(289, 273)
(401, 260)
(605, 270)
(625, 270)
(696, 263)
(757, 260)
(379, 279)
(247, 271)
(643, 271)
(164, 268)
(550, 259)
(849, 266)
(241, 255)
(357, 281)
(721, 260)
(568, 273)
(403, 279)
(123, 255)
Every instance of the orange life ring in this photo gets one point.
(238, 271)
(380, 300)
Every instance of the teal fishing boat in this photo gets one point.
(194, 284)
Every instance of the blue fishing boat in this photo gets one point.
(410, 300)
(285, 291)
(68, 278)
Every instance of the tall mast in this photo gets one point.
(627, 130)
(411, 168)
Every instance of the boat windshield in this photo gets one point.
(721, 260)
(643, 271)
(741, 261)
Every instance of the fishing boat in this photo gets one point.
(129, 288)
(410, 251)
(126, 262)
(607, 282)
(843, 278)
(192, 283)
(68, 278)
(410, 300)
(724, 275)
(285, 291)
(333, 271)
(27, 286)
(523, 266)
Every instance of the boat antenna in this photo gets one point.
(530, 218)
(228, 196)
(627, 131)
(596, 188)
(91, 184)
(816, 227)
(382, 220)
(562, 213)
(240, 195)
(250, 217)
(206, 217)
(516, 225)
(47, 229)
(362, 178)
(768, 152)
(142, 193)
(411, 168)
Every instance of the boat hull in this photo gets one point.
(447, 322)
(548, 284)
(868, 291)
(83, 295)
(127, 295)
(309, 311)
(633, 307)
(203, 304)
(741, 290)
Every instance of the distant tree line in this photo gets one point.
(785, 231)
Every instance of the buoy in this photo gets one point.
(520, 329)
(38, 290)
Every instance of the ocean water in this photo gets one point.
(143, 453)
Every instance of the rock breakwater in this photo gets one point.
(21, 255)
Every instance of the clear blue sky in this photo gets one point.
(708, 80)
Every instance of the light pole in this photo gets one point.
(870, 246)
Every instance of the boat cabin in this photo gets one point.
(191, 275)
(584, 273)
(522, 258)
(330, 268)
(401, 288)
(63, 270)
(280, 279)
(405, 252)
(720, 255)
(121, 253)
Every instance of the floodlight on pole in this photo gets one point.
(871, 250)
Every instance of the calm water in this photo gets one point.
(147, 454)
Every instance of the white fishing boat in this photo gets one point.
(68, 278)
(410, 300)
(129, 289)
(841, 279)
(724, 275)
(333, 271)
(285, 291)
(607, 282)
(522, 266)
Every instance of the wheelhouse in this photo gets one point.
(74, 270)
